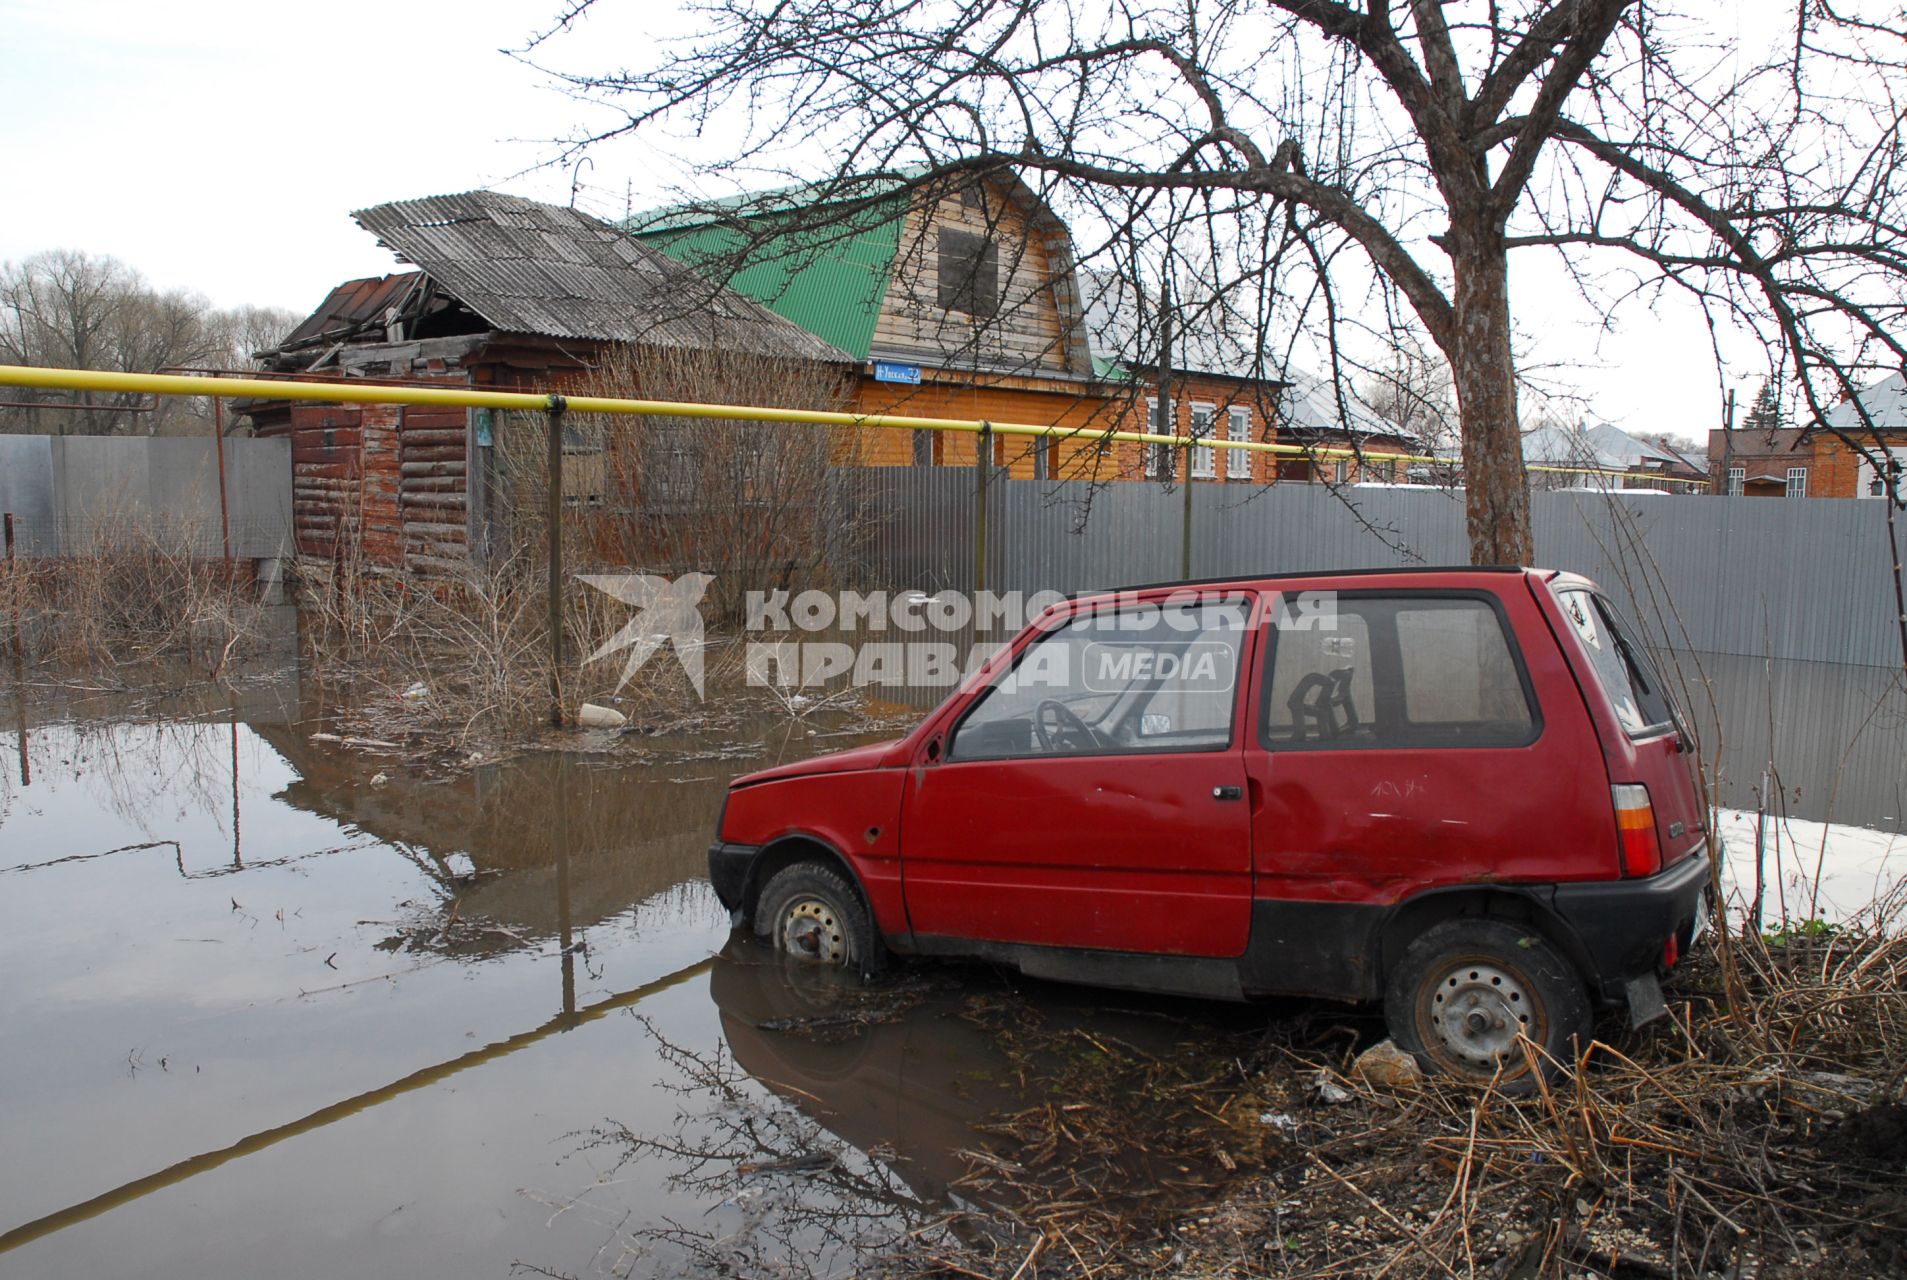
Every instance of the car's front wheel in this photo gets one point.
(810, 914)
(1469, 988)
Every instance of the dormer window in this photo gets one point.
(969, 273)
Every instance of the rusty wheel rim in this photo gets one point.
(1474, 1013)
(811, 932)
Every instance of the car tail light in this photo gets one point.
(1635, 826)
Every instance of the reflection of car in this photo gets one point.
(912, 1085)
(1460, 791)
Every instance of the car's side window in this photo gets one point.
(1142, 678)
(1397, 671)
(1637, 698)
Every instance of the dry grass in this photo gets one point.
(1766, 1141)
(132, 592)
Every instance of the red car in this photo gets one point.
(1463, 792)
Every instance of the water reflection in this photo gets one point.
(263, 994)
(269, 996)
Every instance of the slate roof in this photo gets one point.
(1604, 446)
(533, 268)
(1885, 401)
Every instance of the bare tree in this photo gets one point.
(1335, 168)
(1413, 391)
(70, 310)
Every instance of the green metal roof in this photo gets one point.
(828, 274)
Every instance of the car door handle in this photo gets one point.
(1227, 793)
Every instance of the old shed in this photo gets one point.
(507, 294)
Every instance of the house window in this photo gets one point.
(1204, 456)
(1342, 471)
(1797, 482)
(1737, 477)
(1238, 428)
(1045, 457)
(1295, 469)
(969, 273)
(1159, 456)
(924, 448)
(1875, 484)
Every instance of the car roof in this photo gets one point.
(1253, 579)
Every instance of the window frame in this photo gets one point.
(1737, 481)
(954, 291)
(1241, 686)
(1158, 458)
(1238, 430)
(1203, 464)
(1268, 657)
(1873, 478)
(1797, 483)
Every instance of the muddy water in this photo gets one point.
(280, 1007)
(277, 1006)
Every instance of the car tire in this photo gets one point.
(810, 914)
(1466, 988)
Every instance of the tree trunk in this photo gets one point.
(1496, 492)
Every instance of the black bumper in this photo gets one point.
(728, 871)
(1623, 925)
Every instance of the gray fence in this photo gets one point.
(1802, 579)
(68, 493)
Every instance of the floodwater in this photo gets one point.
(277, 1006)
(280, 1007)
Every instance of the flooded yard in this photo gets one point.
(291, 1006)
(279, 1002)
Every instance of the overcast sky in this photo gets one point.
(220, 146)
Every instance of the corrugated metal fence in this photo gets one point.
(67, 493)
(1804, 579)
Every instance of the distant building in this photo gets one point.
(1761, 463)
(1605, 456)
(1876, 468)
(1842, 456)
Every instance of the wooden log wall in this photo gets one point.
(325, 445)
(433, 489)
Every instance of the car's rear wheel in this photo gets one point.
(811, 915)
(1468, 989)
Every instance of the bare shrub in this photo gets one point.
(134, 589)
(756, 505)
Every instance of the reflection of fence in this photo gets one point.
(71, 494)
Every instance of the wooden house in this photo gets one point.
(507, 294)
(964, 301)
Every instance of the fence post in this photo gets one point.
(16, 601)
(553, 533)
(1185, 533)
(225, 515)
(983, 474)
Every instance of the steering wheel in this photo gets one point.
(1066, 725)
(1324, 699)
